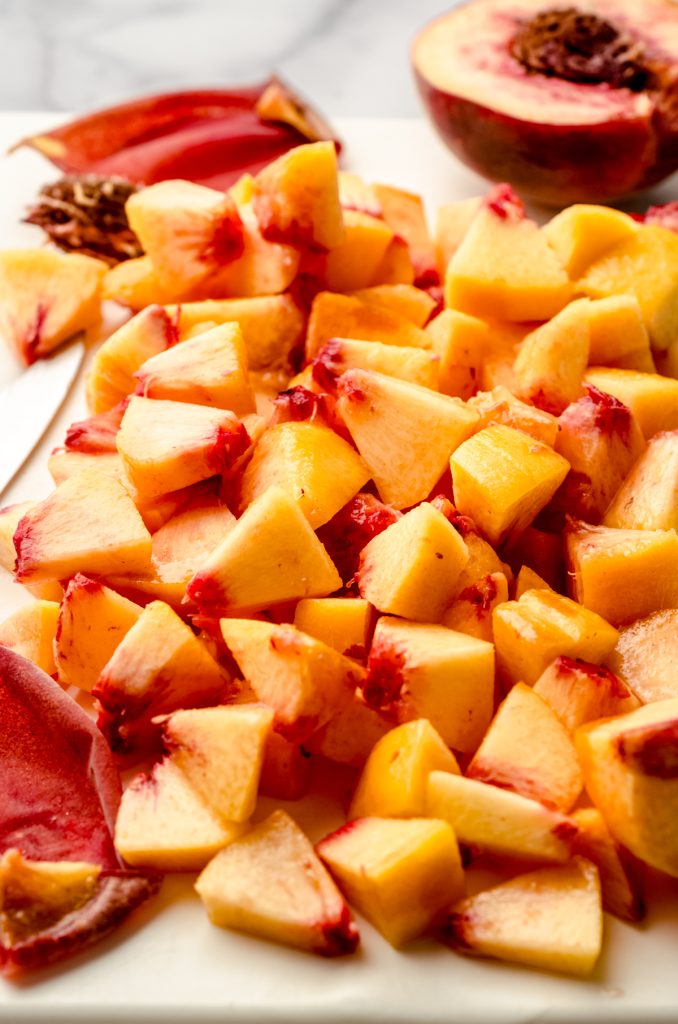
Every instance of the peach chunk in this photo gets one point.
(93, 619)
(271, 555)
(296, 198)
(405, 433)
(528, 750)
(437, 674)
(350, 735)
(404, 213)
(188, 231)
(528, 579)
(343, 316)
(531, 632)
(648, 498)
(271, 884)
(629, 765)
(580, 692)
(393, 780)
(551, 918)
(617, 332)
(552, 360)
(159, 665)
(272, 325)
(471, 611)
(402, 875)
(88, 524)
(317, 468)
(343, 623)
(10, 517)
(646, 655)
(208, 369)
(354, 263)
(644, 265)
(403, 299)
(182, 544)
(622, 574)
(168, 445)
(163, 824)
(501, 406)
(46, 297)
(416, 365)
(502, 478)
(262, 268)
(451, 224)
(111, 377)
(582, 233)
(136, 284)
(652, 399)
(413, 567)
(30, 632)
(621, 875)
(459, 341)
(504, 267)
(497, 821)
(301, 678)
(221, 752)
(63, 464)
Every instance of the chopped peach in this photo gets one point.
(351, 734)
(402, 875)
(617, 331)
(396, 266)
(343, 623)
(452, 222)
(286, 769)
(579, 692)
(393, 780)
(471, 610)
(500, 406)
(354, 263)
(262, 268)
(646, 654)
(343, 316)
(552, 360)
(271, 884)
(648, 497)
(528, 579)
(136, 284)
(459, 341)
(621, 878)
(502, 478)
(405, 433)
(404, 214)
(10, 517)
(528, 750)
(416, 365)
(652, 399)
(30, 631)
(581, 234)
(403, 299)
(63, 464)
(46, 298)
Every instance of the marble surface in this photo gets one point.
(350, 56)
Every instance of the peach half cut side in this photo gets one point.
(489, 83)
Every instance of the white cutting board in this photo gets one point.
(168, 964)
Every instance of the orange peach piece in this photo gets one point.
(343, 316)
(404, 433)
(263, 268)
(622, 575)
(167, 445)
(459, 341)
(531, 632)
(617, 331)
(271, 555)
(272, 325)
(286, 769)
(10, 517)
(62, 464)
(296, 198)
(550, 365)
(416, 365)
(396, 266)
(402, 299)
(451, 224)
(111, 376)
(30, 632)
(438, 674)
(505, 269)
(350, 735)
(579, 692)
(270, 883)
(402, 875)
(164, 825)
(356, 194)
(497, 821)
(136, 284)
(317, 468)
(528, 750)
(652, 399)
(497, 369)
(209, 369)
(621, 874)
(46, 297)
(503, 478)
(88, 524)
(646, 655)
(471, 611)
(301, 678)
(413, 567)
(181, 545)
(343, 623)
(394, 778)
(188, 231)
(551, 919)
(354, 262)
(221, 752)
(404, 214)
(93, 619)
(644, 265)
(528, 579)
(582, 233)
(629, 765)
(648, 497)
(500, 406)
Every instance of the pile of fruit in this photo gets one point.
(351, 495)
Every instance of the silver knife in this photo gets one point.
(29, 404)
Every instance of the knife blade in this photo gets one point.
(29, 404)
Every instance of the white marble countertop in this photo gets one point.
(350, 56)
